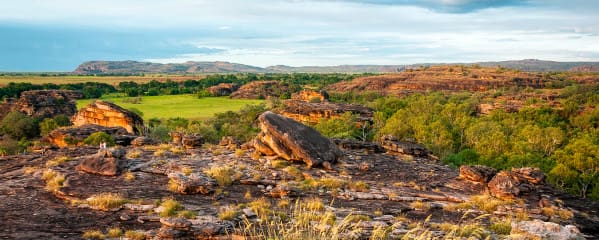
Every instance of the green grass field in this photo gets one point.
(185, 106)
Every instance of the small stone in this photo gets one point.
(248, 212)
(125, 217)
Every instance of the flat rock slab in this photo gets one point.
(294, 141)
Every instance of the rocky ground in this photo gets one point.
(397, 192)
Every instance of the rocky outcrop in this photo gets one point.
(477, 173)
(109, 115)
(294, 141)
(142, 141)
(309, 112)
(518, 181)
(107, 162)
(311, 96)
(260, 90)
(192, 183)
(223, 89)
(347, 144)
(187, 140)
(544, 230)
(69, 136)
(190, 141)
(43, 103)
(393, 145)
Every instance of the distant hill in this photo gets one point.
(135, 67)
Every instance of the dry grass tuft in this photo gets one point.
(57, 161)
(106, 201)
(170, 208)
(222, 174)
(54, 180)
(93, 234)
(135, 235)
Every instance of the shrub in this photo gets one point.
(9, 146)
(54, 180)
(47, 126)
(18, 125)
(170, 208)
(99, 137)
(160, 134)
(228, 213)
(222, 175)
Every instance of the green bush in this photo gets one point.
(47, 126)
(18, 125)
(99, 137)
(160, 134)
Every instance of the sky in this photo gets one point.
(58, 35)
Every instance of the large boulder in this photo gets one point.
(518, 181)
(544, 230)
(192, 183)
(109, 115)
(107, 162)
(67, 136)
(393, 145)
(223, 89)
(142, 141)
(260, 90)
(309, 95)
(191, 141)
(294, 141)
(477, 173)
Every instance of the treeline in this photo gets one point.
(89, 89)
(563, 142)
(190, 86)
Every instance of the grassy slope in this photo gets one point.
(186, 106)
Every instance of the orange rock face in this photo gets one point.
(310, 96)
(108, 115)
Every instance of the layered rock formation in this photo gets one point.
(518, 181)
(223, 89)
(294, 141)
(311, 96)
(70, 136)
(260, 90)
(477, 173)
(109, 115)
(308, 112)
(393, 145)
(107, 162)
(43, 103)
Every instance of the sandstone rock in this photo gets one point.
(504, 185)
(66, 136)
(223, 89)
(142, 141)
(477, 173)
(393, 145)
(176, 223)
(356, 145)
(309, 95)
(229, 141)
(510, 184)
(546, 230)
(192, 141)
(170, 233)
(107, 162)
(530, 175)
(260, 90)
(177, 137)
(43, 103)
(308, 112)
(192, 184)
(292, 140)
(281, 191)
(110, 115)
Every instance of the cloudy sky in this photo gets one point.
(58, 35)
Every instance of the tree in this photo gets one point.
(344, 126)
(18, 125)
(578, 165)
(47, 126)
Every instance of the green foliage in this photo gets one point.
(577, 166)
(344, 126)
(99, 137)
(47, 125)
(160, 133)
(18, 125)
(240, 125)
(136, 111)
(62, 120)
(9, 146)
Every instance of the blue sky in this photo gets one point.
(60, 34)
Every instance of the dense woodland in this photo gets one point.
(562, 141)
